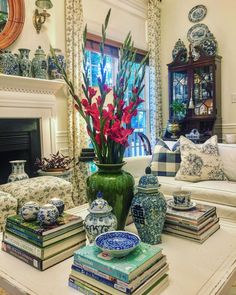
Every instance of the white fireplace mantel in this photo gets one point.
(22, 97)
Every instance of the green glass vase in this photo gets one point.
(117, 187)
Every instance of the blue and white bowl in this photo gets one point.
(29, 211)
(59, 204)
(117, 243)
(48, 214)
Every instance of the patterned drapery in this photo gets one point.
(154, 44)
(77, 134)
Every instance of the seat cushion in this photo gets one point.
(8, 206)
(41, 190)
(220, 192)
(200, 163)
(170, 184)
(228, 157)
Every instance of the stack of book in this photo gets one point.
(143, 271)
(197, 224)
(42, 247)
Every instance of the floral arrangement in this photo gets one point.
(108, 125)
(56, 161)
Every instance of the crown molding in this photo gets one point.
(135, 7)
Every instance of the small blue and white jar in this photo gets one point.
(59, 204)
(29, 211)
(48, 214)
(148, 209)
(100, 218)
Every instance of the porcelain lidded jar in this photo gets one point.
(59, 204)
(25, 62)
(148, 209)
(100, 218)
(48, 214)
(29, 211)
(53, 71)
(39, 64)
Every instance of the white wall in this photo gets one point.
(221, 21)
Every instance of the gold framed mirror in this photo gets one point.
(12, 17)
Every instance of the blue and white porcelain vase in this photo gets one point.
(29, 211)
(48, 214)
(148, 209)
(9, 64)
(39, 64)
(53, 71)
(18, 171)
(100, 218)
(25, 62)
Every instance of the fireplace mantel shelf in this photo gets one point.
(30, 85)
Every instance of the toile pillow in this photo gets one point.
(200, 162)
(165, 162)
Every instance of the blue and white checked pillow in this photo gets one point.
(165, 162)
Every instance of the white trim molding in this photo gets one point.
(135, 7)
(22, 97)
(62, 142)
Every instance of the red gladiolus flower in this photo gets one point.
(106, 88)
(135, 90)
(85, 103)
(92, 92)
(98, 139)
(138, 101)
(115, 96)
(99, 100)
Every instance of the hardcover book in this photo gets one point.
(64, 221)
(125, 268)
(46, 252)
(196, 215)
(199, 239)
(158, 271)
(35, 261)
(39, 240)
(152, 287)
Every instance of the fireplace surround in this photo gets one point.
(31, 103)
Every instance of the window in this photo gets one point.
(141, 122)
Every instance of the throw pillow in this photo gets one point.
(200, 162)
(165, 162)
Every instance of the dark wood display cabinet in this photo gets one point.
(197, 84)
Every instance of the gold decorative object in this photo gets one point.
(39, 18)
(173, 128)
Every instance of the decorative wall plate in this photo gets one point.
(197, 13)
(209, 46)
(197, 33)
(117, 243)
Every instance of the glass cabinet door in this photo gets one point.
(180, 86)
(203, 81)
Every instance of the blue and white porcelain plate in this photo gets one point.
(171, 204)
(197, 13)
(117, 243)
(197, 33)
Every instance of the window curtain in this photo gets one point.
(154, 44)
(77, 134)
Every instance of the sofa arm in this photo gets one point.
(41, 190)
(8, 206)
(136, 165)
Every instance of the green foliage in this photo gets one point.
(178, 109)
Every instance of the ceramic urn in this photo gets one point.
(48, 214)
(100, 218)
(29, 211)
(148, 209)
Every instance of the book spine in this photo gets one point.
(105, 279)
(23, 245)
(80, 287)
(22, 255)
(119, 274)
(24, 235)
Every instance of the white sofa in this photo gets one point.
(221, 194)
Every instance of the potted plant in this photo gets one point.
(56, 165)
(178, 109)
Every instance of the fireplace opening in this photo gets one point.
(19, 140)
